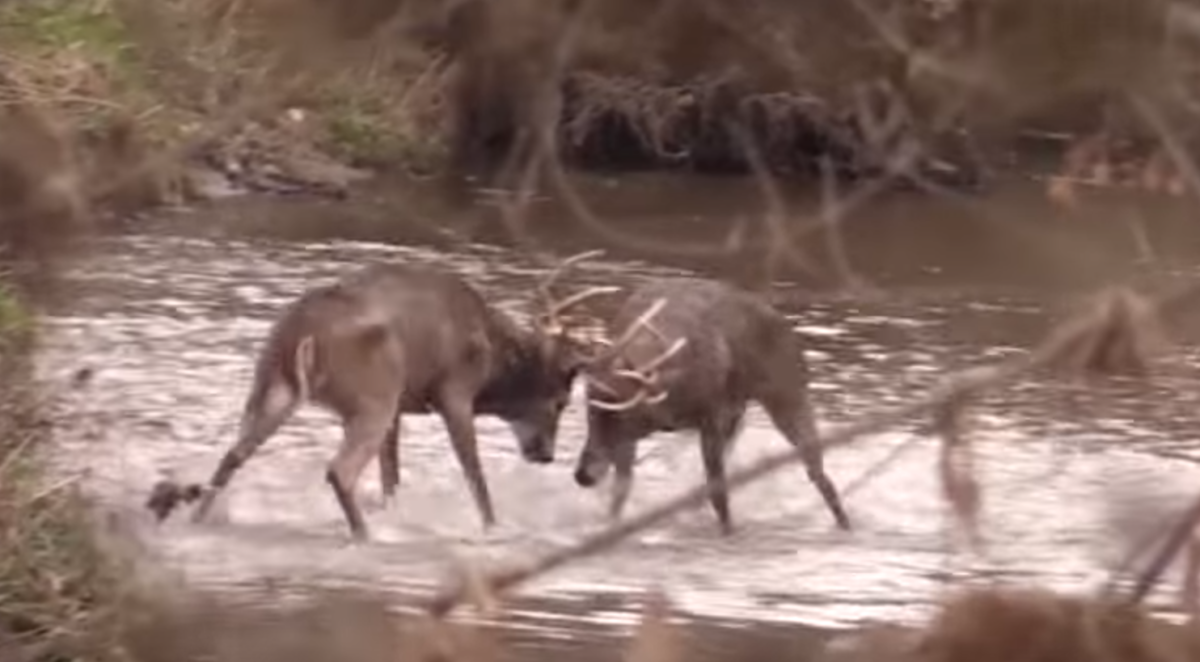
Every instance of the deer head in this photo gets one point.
(615, 424)
(534, 406)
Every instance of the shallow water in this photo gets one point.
(170, 319)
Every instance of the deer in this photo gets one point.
(693, 353)
(390, 339)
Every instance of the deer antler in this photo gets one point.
(643, 321)
(646, 374)
(552, 308)
(641, 397)
(578, 297)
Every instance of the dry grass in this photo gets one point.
(1032, 624)
(139, 85)
(61, 593)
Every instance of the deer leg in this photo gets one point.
(458, 413)
(363, 437)
(794, 419)
(389, 462)
(714, 445)
(262, 417)
(623, 458)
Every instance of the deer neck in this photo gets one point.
(516, 365)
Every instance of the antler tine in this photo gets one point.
(641, 397)
(579, 297)
(638, 324)
(544, 286)
(644, 380)
(674, 349)
(620, 406)
(656, 398)
(657, 334)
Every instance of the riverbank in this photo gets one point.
(186, 100)
(128, 83)
(117, 85)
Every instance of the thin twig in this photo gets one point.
(1170, 140)
(543, 114)
(781, 243)
(831, 215)
(1174, 544)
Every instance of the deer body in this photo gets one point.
(696, 363)
(389, 340)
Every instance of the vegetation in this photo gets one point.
(116, 101)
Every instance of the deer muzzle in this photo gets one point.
(591, 469)
(584, 478)
(538, 455)
(537, 445)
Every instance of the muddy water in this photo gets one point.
(170, 317)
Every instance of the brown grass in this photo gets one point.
(665, 81)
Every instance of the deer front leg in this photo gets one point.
(458, 413)
(623, 457)
(363, 438)
(389, 463)
(714, 440)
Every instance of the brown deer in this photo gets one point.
(392, 339)
(693, 354)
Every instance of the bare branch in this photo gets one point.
(833, 234)
(1170, 140)
(1178, 538)
(780, 244)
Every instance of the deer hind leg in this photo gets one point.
(715, 442)
(364, 435)
(264, 413)
(623, 457)
(389, 462)
(792, 415)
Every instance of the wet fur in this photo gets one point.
(390, 340)
(739, 349)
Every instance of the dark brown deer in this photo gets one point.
(693, 354)
(391, 339)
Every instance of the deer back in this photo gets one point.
(436, 324)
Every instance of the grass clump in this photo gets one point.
(131, 77)
(76, 57)
(59, 591)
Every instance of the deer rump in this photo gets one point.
(390, 330)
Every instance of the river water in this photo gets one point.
(170, 313)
